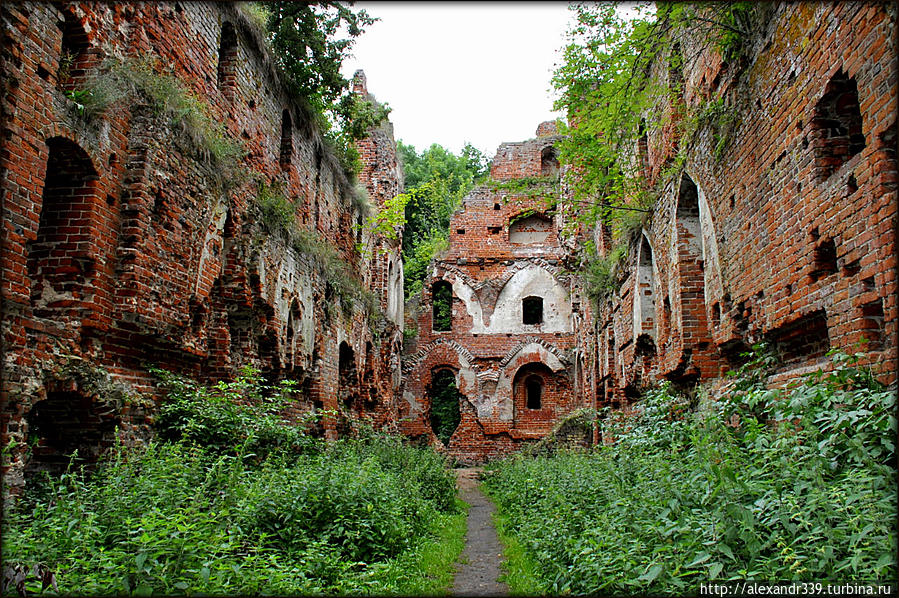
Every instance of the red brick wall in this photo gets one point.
(798, 235)
(488, 346)
(123, 246)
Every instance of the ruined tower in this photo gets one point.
(497, 320)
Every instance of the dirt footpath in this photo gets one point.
(477, 573)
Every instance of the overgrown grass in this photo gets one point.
(520, 568)
(118, 80)
(361, 516)
(764, 484)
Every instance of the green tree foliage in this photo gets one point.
(307, 43)
(436, 180)
(614, 87)
(620, 80)
(765, 484)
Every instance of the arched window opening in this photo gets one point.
(643, 147)
(549, 162)
(60, 257)
(75, 56)
(442, 306)
(691, 278)
(445, 398)
(294, 323)
(534, 390)
(226, 72)
(837, 125)
(286, 139)
(532, 310)
(645, 299)
(60, 425)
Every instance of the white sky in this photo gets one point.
(464, 71)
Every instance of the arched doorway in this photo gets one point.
(444, 399)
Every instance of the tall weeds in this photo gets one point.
(764, 484)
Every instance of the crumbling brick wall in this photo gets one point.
(785, 232)
(516, 376)
(125, 246)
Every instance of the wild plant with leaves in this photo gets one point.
(310, 42)
(622, 79)
(766, 484)
(229, 500)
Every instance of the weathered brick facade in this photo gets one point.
(124, 246)
(514, 363)
(787, 233)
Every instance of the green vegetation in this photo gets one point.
(436, 180)
(234, 507)
(118, 80)
(277, 215)
(445, 398)
(612, 83)
(309, 50)
(600, 273)
(766, 484)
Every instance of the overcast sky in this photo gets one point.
(457, 72)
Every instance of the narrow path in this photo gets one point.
(479, 569)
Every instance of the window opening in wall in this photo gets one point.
(347, 377)
(294, 321)
(837, 125)
(872, 325)
(643, 145)
(496, 206)
(532, 310)
(803, 339)
(535, 228)
(460, 231)
(225, 74)
(59, 256)
(286, 139)
(825, 262)
(534, 388)
(442, 305)
(63, 423)
(645, 283)
(74, 57)
(549, 163)
(691, 278)
(494, 230)
(445, 399)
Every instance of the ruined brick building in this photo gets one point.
(509, 343)
(786, 232)
(783, 234)
(130, 238)
(133, 237)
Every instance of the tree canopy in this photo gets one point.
(310, 43)
(436, 180)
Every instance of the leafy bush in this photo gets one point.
(179, 519)
(767, 484)
(229, 416)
